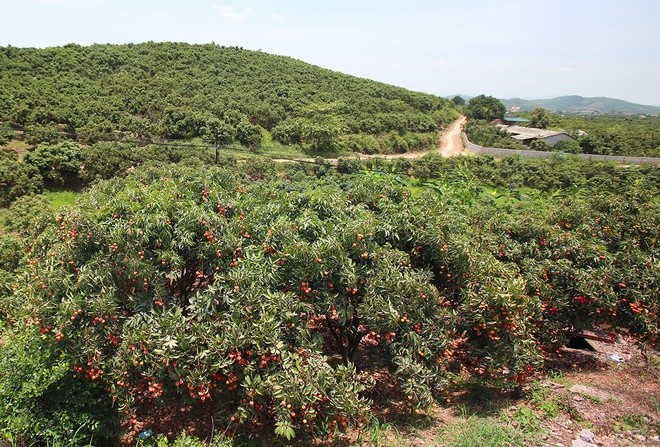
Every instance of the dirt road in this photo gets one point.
(451, 142)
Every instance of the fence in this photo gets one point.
(501, 152)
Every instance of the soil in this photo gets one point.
(619, 402)
(449, 145)
(451, 142)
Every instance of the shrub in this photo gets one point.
(206, 287)
(29, 215)
(349, 165)
(40, 401)
(273, 295)
(17, 179)
(363, 143)
(6, 134)
(107, 160)
(58, 164)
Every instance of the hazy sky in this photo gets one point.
(505, 48)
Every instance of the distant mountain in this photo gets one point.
(581, 105)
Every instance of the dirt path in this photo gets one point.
(451, 142)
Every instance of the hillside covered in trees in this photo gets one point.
(154, 295)
(226, 94)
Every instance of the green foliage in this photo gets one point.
(527, 420)
(540, 118)
(185, 440)
(484, 107)
(459, 101)
(636, 422)
(43, 133)
(106, 160)
(349, 165)
(58, 164)
(28, 215)
(58, 198)
(611, 134)
(174, 90)
(263, 287)
(6, 134)
(249, 135)
(11, 258)
(540, 145)
(483, 134)
(568, 146)
(219, 259)
(17, 179)
(605, 135)
(487, 432)
(365, 144)
(218, 132)
(616, 135)
(40, 400)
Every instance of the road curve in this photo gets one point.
(451, 142)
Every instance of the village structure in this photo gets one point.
(526, 135)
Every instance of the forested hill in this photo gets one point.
(584, 106)
(175, 90)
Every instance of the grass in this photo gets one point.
(559, 378)
(540, 398)
(635, 422)
(486, 432)
(593, 399)
(59, 198)
(377, 433)
(527, 420)
(550, 409)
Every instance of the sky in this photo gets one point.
(530, 49)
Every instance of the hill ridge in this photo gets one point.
(179, 90)
(583, 105)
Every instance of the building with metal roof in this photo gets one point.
(528, 134)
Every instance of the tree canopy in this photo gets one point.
(176, 90)
(484, 107)
(540, 118)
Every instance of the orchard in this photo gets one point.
(274, 296)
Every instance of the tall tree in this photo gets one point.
(484, 107)
(540, 118)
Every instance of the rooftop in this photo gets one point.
(514, 119)
(526, 133)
